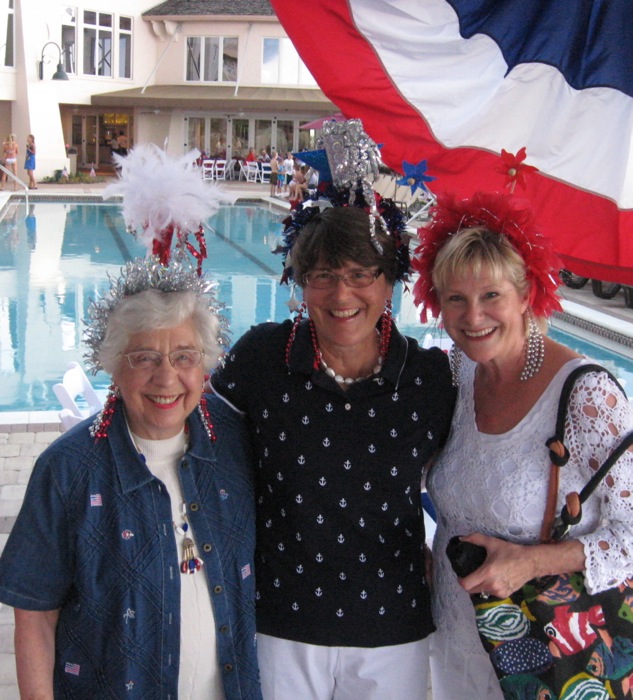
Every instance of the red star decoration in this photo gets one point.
(514, 168)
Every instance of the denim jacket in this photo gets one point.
(95, 540)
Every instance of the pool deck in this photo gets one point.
(24, 436)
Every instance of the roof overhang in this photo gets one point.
(248, 100)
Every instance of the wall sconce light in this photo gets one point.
(60, 73)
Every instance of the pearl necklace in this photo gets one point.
(339, 379)
(319, 362)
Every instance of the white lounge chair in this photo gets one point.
(75, 383)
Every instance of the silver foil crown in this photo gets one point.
(352, 156)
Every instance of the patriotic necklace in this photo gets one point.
(190, 563)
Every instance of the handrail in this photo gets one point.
(17, 179)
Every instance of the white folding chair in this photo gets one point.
(243, 171)
(231, 173)
(220, 169)
(208, 169)
(265, 172)
(252, 172)
(75, 383)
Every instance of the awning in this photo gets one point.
(249, 100)
(318, 123)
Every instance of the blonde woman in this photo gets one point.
(29, 162)
(10, 155)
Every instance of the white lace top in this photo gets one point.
(496, 484)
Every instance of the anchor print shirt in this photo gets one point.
(340, 532)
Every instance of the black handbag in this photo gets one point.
(551, 640)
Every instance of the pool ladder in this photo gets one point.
(17, 179)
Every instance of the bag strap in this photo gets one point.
(559, 456)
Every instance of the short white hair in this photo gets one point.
(152, 310)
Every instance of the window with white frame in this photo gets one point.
(9, 35)
(281, 64)
(211, 59)
(69, 39)
(125, 47)
(97, 38)
(96, 43)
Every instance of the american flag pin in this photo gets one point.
(71, 668)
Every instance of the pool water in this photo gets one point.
(53, 261)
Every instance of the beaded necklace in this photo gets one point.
(386, 325)
(339, 379)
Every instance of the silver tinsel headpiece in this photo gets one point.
(354, 160)
(138, 276)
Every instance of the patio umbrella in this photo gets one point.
(318, 123)
(479, 91)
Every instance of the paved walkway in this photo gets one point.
(22, 442)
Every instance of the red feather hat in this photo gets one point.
(500, 213)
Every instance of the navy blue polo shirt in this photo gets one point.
(340, 531)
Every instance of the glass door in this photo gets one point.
(240, 138)
(90, 145)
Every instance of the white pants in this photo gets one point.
(296, 671)
(457, 675)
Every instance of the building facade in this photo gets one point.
(217, 75)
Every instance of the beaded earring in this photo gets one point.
(301, 309)
(99, 428)
(534, 349)
(203, 410)
(455, 360)
(386, 324)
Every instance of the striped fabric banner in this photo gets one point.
(456, 82)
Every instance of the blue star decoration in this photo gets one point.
(415, 176)
(317, 160)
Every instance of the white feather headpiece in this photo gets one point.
(163, 195)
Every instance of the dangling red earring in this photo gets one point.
(99, 428)
(386, 324)
(301, 309)
(203, 409)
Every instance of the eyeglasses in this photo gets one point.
(146, 360)
(328, 280)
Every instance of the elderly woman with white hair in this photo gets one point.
(130, 566)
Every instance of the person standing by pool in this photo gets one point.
(274, 173)
(344, 412)
(289, 166)
(29, 162)
(122, 139)
(10, 155)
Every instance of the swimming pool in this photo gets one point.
(53, 261)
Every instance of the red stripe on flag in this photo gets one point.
(593, 237)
